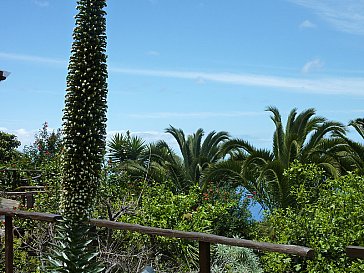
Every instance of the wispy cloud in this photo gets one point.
(153, 2)
(323, 85)
(41, 3)
(161, 115)
(315, 64)
(152, 53)
(346, 16)
(346, 111)
(328, 85)
(307, 24)
(31, 58)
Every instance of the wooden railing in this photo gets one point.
(355, 252)
(204, 239)
(27, 196)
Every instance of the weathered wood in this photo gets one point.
(195, 236)
(30, 187)
(21, 193)
(355, 252)
(208, 238)
(9, 244)
(30, 200)
(8, 203)
(204, 257)
(20, 170)
(38, 216)
(27, 197)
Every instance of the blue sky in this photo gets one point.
(208, 64)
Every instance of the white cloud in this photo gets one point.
(307, 24)
(153, 53)
(200, 81)
(328, 85)
(346, 16)
(324, 85)
(41, 3)
(161, 115)
(315, 64)
(31, 58)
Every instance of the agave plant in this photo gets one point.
(233, 259)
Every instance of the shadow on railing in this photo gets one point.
(204, 239)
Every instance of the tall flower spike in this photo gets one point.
(84, 129)
(84, 121)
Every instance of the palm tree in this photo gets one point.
(197, 154)
(305, 138)
(159, 162)
(355, 158)
(125, 147)
(243, 168)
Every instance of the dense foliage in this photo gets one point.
(328, 217)
(152, 185)
(8, 145)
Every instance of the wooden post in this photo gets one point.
(9, 247)
(30, 200)
(204, 255)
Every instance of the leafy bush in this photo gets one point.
(158, 206)
(8, 145)
(329, 223)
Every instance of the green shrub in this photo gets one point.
(195, 211)
(328, 224)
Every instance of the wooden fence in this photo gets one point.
(204, 239)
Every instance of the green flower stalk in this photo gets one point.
(84, 129)
(84, 117)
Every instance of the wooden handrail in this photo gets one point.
(20, 170)
(30, 187)
(204, 239)
(355, 252)
(194, 236)
(208, 238)
(27, 196)
(20, 193)
(37, 216)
